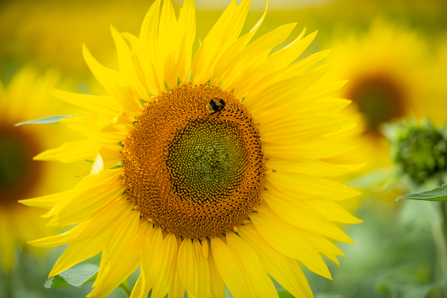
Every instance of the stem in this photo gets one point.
(444, 219)
(125, 286)
(8, 285)
(443, 257)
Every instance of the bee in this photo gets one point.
(215, 105)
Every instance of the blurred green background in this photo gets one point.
(399, 250)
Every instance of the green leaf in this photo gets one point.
(46, 120)
(75, 276)
(436, 194)
(284, 294)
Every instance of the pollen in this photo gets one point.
(195, 173)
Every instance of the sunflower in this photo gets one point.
(389, 69)
(26, 97)
(209, 171)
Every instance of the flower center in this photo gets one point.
(379, 99)
(18, 174)
(194, 163)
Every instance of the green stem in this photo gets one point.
(444, 219)
(125, 286)
(8, 284)
(443, 260)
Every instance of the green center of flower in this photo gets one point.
(18, 174)
(194, 164)
(207, 159)
(379, 99)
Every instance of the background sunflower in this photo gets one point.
(24, 97)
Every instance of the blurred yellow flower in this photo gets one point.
(51, 32)
(389, 70)
(26, 97)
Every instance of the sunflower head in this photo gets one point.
(210, 170)
(193, 172)
(388, 68)
(23, 98)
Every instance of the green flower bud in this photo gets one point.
(418, 149)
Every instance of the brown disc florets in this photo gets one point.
(379, 98)
(19, 175)
(194, 164)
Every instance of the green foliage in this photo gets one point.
(284, 294)
(436, 194)
(45, 120)
(75, 276)
(399, 286)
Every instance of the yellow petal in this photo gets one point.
(149, 41)
(98, 105)
(143, 65)
(231, 270)
(323, 245)
(77, 252)
(261, 282)
(187, 267)
(291, 52)
(105, 76)
(298, 213)
(105, 159)
(129, 102)
(334, 212)
(278, 92)
(326, 106)
(234, 50)
(146, 251)
(61, 239)
(284, 270)
(288, 240)
(276, 66)
(71, 151)
(168, 40)
(304, 187)
(177, 289)
(216, 282)
(224, 33)
(127, 70)
(320, 91)
(187, 24)
(204, 289)
(315, 148)
(149, 254)
(315, 168)
(254, 55)
(118, 244)
(164, 267)
(46, 202)
(88, 198)
(294, 129)
(91, 238)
